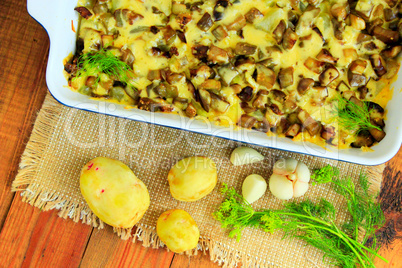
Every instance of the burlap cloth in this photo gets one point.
(64, 139)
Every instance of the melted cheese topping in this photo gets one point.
(314, 30)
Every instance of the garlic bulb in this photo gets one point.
(245, 155)
(290, 178)
(254, 187)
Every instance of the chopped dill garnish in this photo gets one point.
(352, 116)
(103, 61)
(314, 223)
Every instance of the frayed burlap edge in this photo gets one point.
(45, 200)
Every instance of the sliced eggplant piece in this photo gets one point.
(278, 95)
(275, 109)
(262, 125)
(314, 65)
(390, 14)
(191, 111)
(200, 52)
(205, 23)
(293, 130)
(227, 73)
(326, 56)
(338, 29)
(279, 32)
(265, 76)
(245, 49)
(211, 85)
(127, 56)
(246, 94)
(154, 75)
(219, 104)
(304, 85)
(247, 108)
(358, 66)
(217, 55)
(312, 126)
(247, 121)
(261, 99)
(379, 64)
(328, 133)
(253, 14)
(219, 9)
(391, 52)
(363, 91)
(377, 134)
(220, 33)
(289, 39)
(205, 98)
(386, 35)
(285, 77)
(356, 80)
(357, 22)
(84, 12)
(363, 139)
(340, 11)
(183, 19)
(329, 75)
(237, 24)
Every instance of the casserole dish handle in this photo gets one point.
(44, 11)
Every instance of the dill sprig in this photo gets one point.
(103, 61)
(312, 222)
(362, 205)
(352, 116)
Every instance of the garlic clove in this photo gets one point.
(302, 172)
(254, 187)
(285, 166)
(300, 188)
(281, 187)
(245, 155)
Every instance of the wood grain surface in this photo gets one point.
(31, 238)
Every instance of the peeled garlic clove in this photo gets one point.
(302, 172)
(281, 187)
(285, 166)
(300, 188)
(245, 155)
(254, 187)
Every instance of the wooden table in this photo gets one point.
(29, 237)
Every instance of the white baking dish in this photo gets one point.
(57, 18)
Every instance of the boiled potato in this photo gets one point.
(178, 230)
(192, 178)
(113, 192)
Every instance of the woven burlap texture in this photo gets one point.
(64, 139)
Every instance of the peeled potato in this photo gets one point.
(113, 192)
(192, 178)
(178, 230)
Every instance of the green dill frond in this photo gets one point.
(103, 61)
(352, 116)
(314, 223)
(325, 174)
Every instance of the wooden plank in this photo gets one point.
(199, 260)
(391, 202)
(105, 249)
(16, 233)
(56, 242)
(30, 237)
(23, 52)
